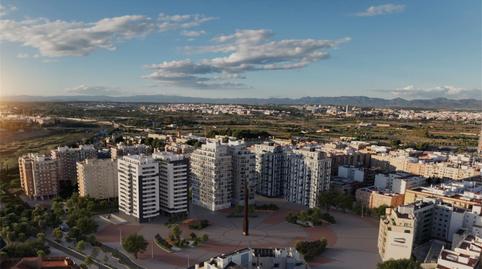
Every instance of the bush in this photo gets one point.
(199, 224)
(161, 241)
(311, 249)
(271, 207)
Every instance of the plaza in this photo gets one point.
(351, 241)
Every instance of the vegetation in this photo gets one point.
(238, 211)
(335, 199)
(399, 264)
(162, 242)
(312, 215)
(311, 249)
(134, 244)
(199, 224)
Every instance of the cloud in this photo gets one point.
(94, 90)
(245, 51)
(4, 10)
(175, 22)
(451, 92)
(70, 38)
(381, 10)
(193, 34)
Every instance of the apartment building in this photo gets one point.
(372, 197)
(97, 178)
(122, 149)
(243, 171)
(269, 169)
(465, 255)
(463, 194)
(398, 182)
(67, 161)
(138, 186)
(174, 172)
(211, 176)
(306, 173)
(429, 219)
(38, 176)
(396, 234)
(351, 172)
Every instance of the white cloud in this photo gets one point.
(69, 38)
(193, 34)
(381, 10)
(246, 50)
(94, 90)
(4, 10)
(175, 22)
(451, 92)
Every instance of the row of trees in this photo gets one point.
(312, 215)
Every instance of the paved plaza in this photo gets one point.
(351, 241)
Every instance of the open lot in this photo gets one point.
(351, 241)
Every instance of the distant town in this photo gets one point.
(111, 190)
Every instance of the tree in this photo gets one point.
(399, 264)
(58, 234)
(80, 245)
(134, 244)
(88, 261)
(205, 237)
(41, 253)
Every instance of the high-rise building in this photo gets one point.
(138, 185)
(38, 176)
(269, 169)
(122, 150)
(97, 178)
(68, 158)
(244, 172)
(174, 172)
(211, 176)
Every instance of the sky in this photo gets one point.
(388, 49)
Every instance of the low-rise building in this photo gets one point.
(282, 258)
(398, 182)
(372, 197)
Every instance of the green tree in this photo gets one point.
(80, 245)
(58, 234)
(399, 264)
(41, 253)
(134, 244)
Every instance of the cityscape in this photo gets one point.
(240, 135)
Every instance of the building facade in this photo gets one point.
(269, 169)
(211, 176)
(244, 172)
(174, 173)
(68, 157)
(97, 178)
(138, 187)
(38, 176)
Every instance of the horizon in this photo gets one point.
(378, 49)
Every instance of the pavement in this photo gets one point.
(352, 241)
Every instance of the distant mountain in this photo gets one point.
(362, 101)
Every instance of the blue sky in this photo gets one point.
(409, 49)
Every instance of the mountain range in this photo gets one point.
(362, 101)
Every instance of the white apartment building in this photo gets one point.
(244, 172)
(465, 255)
(269, 169)
(306, 173)
(398, 182)
(38, 176)
(138, 186)
(396, 234)
(174, 172)
(68, 158)
(97, 178)
(211, 176)
(429, 219)
(354, 173)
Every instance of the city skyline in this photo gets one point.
(387, 49)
